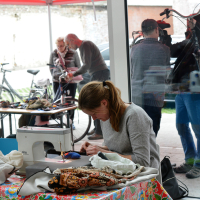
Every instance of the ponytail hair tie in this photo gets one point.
(105, 85)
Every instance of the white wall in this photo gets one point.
(150, 3)
(25, 33)
(184, 7)
(118, 48)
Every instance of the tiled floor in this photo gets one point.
(167, 139)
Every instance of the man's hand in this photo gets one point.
(69, 77)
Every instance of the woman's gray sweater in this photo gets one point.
(135, 137)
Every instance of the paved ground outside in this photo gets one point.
(167, 139)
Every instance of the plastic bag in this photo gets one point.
(119, 164)
(9, 164)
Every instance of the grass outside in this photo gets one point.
(168, 110)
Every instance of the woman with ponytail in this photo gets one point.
(127, 129)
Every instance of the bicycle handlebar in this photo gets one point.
(167, 11)
(51, 65)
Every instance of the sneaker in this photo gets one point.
(183, 168)
(91, 132)
(73, 127)
(193, 173)
(95, 136)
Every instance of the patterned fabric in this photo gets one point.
(72, 179)
(144, 190)
(105, 169)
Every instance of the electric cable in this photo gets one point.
(195, 7)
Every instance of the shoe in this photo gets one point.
(91, 132)
(183, 168)
(193, 173)
(73, 127)
(173, 165)
(95, 136)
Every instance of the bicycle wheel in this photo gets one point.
(5, 94)
(82, 123)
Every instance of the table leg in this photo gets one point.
(10, 122)
(72, 138)
(2, 128)
(68, 124)
(61, 120)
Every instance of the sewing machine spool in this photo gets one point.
(31, 143)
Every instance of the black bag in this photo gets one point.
(169, 180)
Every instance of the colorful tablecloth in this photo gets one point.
(144, 190)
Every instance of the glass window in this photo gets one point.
(105, 54)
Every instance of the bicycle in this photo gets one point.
(193, 39)
(8, 93)
(81, 128)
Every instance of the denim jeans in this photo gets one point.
(102, 75)
(188, 111)
(155, 114)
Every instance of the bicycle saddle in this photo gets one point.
(34, 72)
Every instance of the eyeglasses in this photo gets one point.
(60, 46)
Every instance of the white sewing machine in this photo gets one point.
(154, 79)
(31, 143)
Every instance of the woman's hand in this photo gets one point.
(91, 149)
(84, 146)
(94, 149)
(57, 62)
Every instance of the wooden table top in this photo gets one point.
(24, 111)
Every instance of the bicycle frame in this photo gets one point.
(196, 54)
(10, 87)
(13, 92)
(167, 11)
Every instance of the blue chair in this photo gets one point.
(8, 144)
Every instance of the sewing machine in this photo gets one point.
(31, 143)
(154, 79)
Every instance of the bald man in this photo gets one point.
(94, 64)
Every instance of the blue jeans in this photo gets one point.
(155, 114)
(188, 110)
